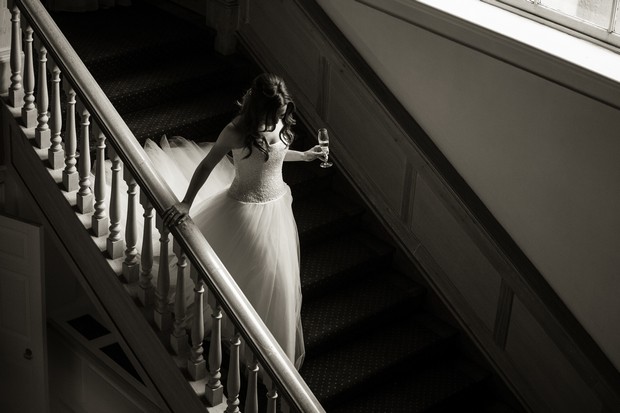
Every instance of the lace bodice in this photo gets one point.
(257, 180)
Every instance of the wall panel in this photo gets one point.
(529, 347)
(297, 53)
(366, 140)
(451, 246)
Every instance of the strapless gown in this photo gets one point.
(244, 212)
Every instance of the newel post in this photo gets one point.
(223, 17)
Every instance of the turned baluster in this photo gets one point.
(29, 113)
(70, 175)
(272, 395)
(196, 364)
(251, 398)
(214, 391)
(233, 383)
(178, 338)
(16, 90)
(131, 264)
(114, 242)
(146, 291)
(100, 221)
(85, 194)
(55, 154)
(42, 134)
(162, 314)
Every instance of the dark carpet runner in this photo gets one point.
(370, 345)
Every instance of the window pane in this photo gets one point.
(596, 12)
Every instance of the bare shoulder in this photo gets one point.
(231, 136)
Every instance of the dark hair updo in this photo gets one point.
(259, 111)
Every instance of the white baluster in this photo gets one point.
(70, 176)
(131, 264)
(214, 391)
(42, 134)
(146, 293)
(272, 395)
(196, 364)
(55, 154)
(251, 398)
(85, 202)
(100, 221)
(114, 241)
(233, 383)
(162, 314)
(16, 90)
(29, 113)
(178, 338)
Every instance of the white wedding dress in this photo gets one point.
(244, 212)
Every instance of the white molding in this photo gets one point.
(577, 64)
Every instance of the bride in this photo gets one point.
(249, 221)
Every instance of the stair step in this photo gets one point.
(430, 388)
(324, 215)
(198, 118)
(330, 317)
(188, 75)
(120, 38)
(336, 260)
(367, 359)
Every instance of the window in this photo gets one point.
(598, 19)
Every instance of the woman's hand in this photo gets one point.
(313, 153)
(176, 214)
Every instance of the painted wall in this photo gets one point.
(78, 381)
(542, 158)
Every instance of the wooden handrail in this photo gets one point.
(200, 253)
(99, 280)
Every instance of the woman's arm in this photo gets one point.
(228, 139)
(306, 156)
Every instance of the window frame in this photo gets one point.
(568, 24)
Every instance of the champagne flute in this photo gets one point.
(323, 138)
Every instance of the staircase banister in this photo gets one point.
(99, 281)
(98, 104)
(200, 253)
(240, 311)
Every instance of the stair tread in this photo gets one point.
(170, 73)
(419, 391)
(323, 261)
(155, 121)
(337, 311)
(323, 210)
(359, 361)
(122, 31)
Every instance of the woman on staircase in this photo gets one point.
(249, 222)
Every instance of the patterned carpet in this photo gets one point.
(370, 345)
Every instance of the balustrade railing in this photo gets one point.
(35, 35)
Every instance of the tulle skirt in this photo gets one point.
(257, 242)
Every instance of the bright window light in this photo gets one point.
(597, 19)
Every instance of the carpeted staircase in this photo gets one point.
(371, 345)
